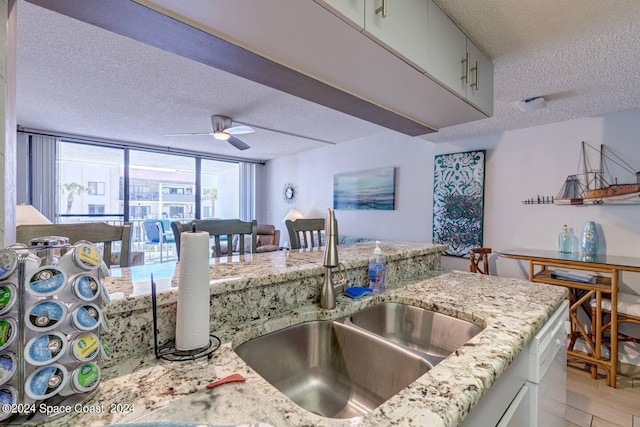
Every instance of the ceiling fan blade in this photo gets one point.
(187, 134)
(240, 145)
(324, 141)
(240, 130)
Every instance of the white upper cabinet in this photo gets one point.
(446, 51)
(480, 88)
(454, 61)
(401, 26)
(350, 10)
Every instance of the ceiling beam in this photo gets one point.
(140, 23)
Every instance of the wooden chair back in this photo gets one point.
(218, 228)
(479, 258)
(306, 233)
(94, 232)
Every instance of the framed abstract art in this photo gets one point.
(458, 201)
(369, 189)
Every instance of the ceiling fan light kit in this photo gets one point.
(222, 136)
(223, 129)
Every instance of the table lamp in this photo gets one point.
(28, 215)
(293, 215)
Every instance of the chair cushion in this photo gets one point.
(267, 248)
(266, 235)
(265, 240)
(247, 243)
(137, 258)
(223, 250)
(627, 304)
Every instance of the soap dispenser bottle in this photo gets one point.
(377, 270)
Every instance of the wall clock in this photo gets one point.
(289, 192)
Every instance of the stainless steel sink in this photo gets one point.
(348, 367)
(431, 333)
(331, 369)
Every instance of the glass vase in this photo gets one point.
(589, 240)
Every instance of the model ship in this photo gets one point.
(596, 185)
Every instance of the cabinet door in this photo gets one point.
(351, 10)
(403, 29)
(446, 51)
(480, 89)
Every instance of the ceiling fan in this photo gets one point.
(225, 129)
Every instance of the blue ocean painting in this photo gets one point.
(369, 189)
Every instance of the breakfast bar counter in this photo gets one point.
(139, 388)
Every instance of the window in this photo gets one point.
(96, 209)
(88, 184)
(220, 190)
(96, 188)
(77, 164)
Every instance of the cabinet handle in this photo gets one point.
(465, 61)
(475, 84)
(382, 9)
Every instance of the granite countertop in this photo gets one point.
(131, 286)
(510, 310)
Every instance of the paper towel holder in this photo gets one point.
(169, 351)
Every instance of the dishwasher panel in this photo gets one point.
(548, 371)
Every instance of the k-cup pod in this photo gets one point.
(105, 298)
(83, 379)
(105, 324)
(85, 287)
(46, 281)
(84, 347)
(48, 242)
(45, 349)
(8, 396)
(8, 297)
(46, 381)
(45, 315)
(8, 263)
(105, 350)
(8, 366)
(82, 256)
(86, 317)
(8, 332)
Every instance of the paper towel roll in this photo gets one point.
(192, 322)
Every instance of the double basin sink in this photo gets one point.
(347, 367)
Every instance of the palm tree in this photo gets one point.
(211, 194)
(72, 188)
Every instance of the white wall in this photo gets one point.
(312, 174)
(519, 164)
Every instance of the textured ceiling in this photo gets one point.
(582, 56)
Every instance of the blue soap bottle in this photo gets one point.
(377, 270)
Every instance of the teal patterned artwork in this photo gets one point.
(458, 201)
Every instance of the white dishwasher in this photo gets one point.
(547, 378)
(532, 391)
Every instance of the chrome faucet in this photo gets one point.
(330, 261)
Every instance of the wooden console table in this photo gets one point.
(606, 270)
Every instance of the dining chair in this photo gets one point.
(159, 233)
(479, 258)
(94, 232)
(221, 230)
(306, 232)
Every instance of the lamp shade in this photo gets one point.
(28, 215)
(293, 215)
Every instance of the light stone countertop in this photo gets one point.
(510, 310)
(228, 274)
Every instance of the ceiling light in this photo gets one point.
(531, 104)
(222, 136)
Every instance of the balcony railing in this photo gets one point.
(138, 236)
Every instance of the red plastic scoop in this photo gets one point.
(230, 379)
